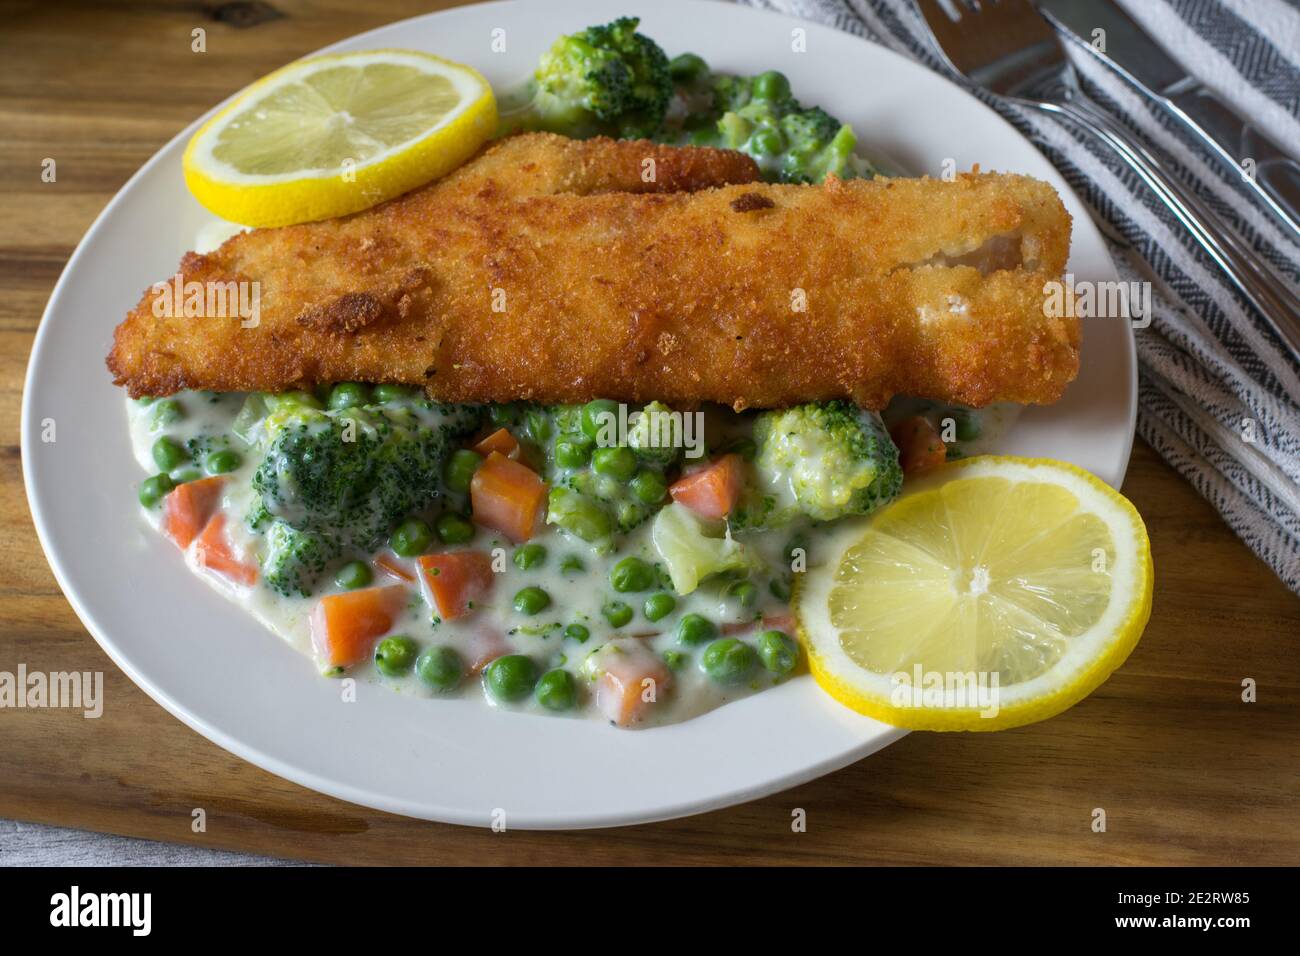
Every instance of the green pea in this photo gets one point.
(532, 600)
(348, 395)
(686, 67)
(395, 656)
(453, 529)
(631, 575)
(145, 400)
(728, 661)
(618, 463)
(743, 591)
(695, 629)
(649, 486)
(675, 660)
(771, 85)
(306, 399)
(571, 563)
(439, 668)
(572, 453)
(778, 652)
(221, 462)
(617, 613)
(510, 678)
(353, 575)
(460, 469)
(529, 556)
(152, 489)
(596, 417)
(966, 425)
(168, 454)
(577, 514)
(557, 690)
(167, 412)
(767, 141)
(411, 538)
(383, 394)
(186, 473)
(659, 606)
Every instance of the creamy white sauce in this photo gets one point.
(576, 597)
(213, 233)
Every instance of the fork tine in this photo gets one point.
(945, 11)
(943, 30)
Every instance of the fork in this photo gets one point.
(1007, 48)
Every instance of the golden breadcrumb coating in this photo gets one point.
(552, 270)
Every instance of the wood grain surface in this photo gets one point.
(1185, 771)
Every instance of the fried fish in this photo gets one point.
(559, 270)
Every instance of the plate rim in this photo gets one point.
(368, 798)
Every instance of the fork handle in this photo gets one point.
(1275, 301)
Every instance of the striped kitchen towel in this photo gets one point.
(1218, 392)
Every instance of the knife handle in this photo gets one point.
(1274, 300)
(1274, 174)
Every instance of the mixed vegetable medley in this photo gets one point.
(612, 81)
(635, 563)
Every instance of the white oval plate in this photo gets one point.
(217, 670)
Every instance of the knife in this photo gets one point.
(1132, 53)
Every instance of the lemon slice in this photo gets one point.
(334, 134)
(996, 592)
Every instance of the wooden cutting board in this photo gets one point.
(1184, 770)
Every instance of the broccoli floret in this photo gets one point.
(813, 124)
(730, 93)
(692, 551)
(336, 481)
(605, 80)
(825, 460)
(294, 560)
(812, 159)
(655, 435)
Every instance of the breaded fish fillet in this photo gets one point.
(544, 164)
(753, 295)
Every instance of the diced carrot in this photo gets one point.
(453, 582)
(187, 508)
(774, 621)
(507, 497)
(345, 627)
(713, 490)
(632, 679)
(484, 648)
(781, 622)
(919, 445)
(499, 441)
(393, 566)
(213, 550)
